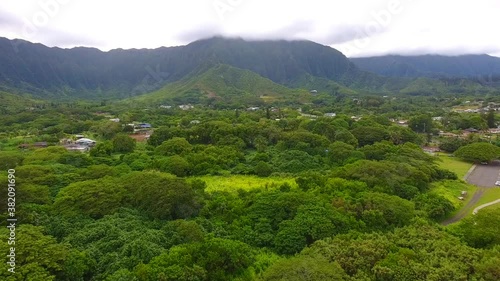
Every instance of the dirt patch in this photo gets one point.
(140, 138)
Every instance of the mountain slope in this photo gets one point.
(10, 103)
(80, 72)
(431, 66)
(281, 61)
(220, 83)
(89, 73)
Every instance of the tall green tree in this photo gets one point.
(37, 256)
(304, 268)
(491, 119)
(122, 143)
(174, 146)
(481, 230)
(213, 259)
(160, 196)
(369, 134)
(421, 123)
(94, 198)
(478, 152)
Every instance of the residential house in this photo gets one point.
(41, 144)
(469, 131)
(403, 123)
(23, 146)
(77, 147)
(85, 142)
(143, 126)
(446, 134)
(186, 107)
(431, 150)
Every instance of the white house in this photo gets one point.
(85, 141)
(186, 107)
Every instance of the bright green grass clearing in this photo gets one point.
(235, 182)
(496, 207)
(451, 190)
(455, 165)
(489, 195)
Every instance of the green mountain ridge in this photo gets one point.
(433, 66)
(220, 83)
(429, 86)
(88, 73)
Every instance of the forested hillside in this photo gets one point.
(90, 73)
(472, 66)
(86, 73)
(261, 194)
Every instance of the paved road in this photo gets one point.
(484, 177)
(466, 209)
(485, 205)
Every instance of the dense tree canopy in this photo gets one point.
(478, 152)
(219, 192)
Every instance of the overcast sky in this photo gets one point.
(355, 27)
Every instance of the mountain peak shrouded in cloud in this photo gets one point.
(356, 28)
(468, 66)
(36, 68)
(82, 72)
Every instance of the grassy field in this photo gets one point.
(451, 190)
(235, 182)
(490, 195)
(454, 164)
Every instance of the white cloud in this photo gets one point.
(358, 28)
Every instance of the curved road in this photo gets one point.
(485, 205)
(484, 177)
(465, 209)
